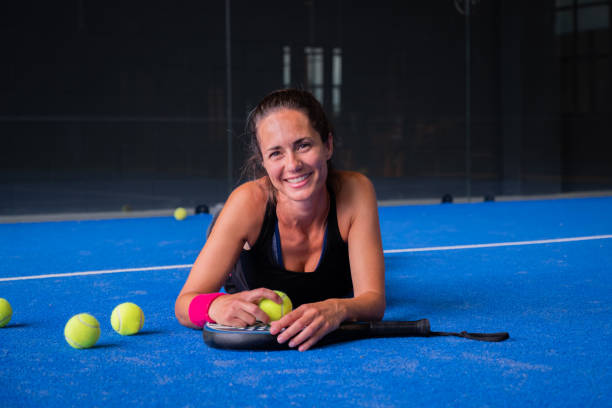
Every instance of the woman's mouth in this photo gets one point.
(299, 180)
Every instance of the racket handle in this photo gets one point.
(418, 328)
(365, 330)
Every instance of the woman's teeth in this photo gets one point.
(298, 179)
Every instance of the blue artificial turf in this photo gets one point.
(554, 299)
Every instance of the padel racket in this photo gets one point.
(258, 337)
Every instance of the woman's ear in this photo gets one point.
(330, 145)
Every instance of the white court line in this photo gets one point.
(387, 251)
(101, 272)
(497, 244)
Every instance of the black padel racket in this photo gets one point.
(258, 337)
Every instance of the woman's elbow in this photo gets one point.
(376, 305)
(379, 310)
(182, 312)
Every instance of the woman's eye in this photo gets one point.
(273, 155)
(303, 146)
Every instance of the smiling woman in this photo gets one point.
(294, 156)
(298, 227)
(286, 99)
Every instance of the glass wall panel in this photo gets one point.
(117, 105)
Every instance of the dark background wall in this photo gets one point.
(111, 103)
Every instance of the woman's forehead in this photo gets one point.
(282, 114)
(284, 122)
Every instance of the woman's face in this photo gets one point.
(294, 155)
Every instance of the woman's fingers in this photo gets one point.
(309, 335)
(303, 332)
(286, 321)
(306, 325)
(312, 340)
(240, 309)
(256, 295)
(291, 329)
(243, 314)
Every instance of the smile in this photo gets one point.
(299, 179)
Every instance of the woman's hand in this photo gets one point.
(308, 323)
(241, 309)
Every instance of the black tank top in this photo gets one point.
(262, 265)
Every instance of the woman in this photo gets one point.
(299, 227)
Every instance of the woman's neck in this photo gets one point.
(303, 214)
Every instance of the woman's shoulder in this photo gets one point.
(246, 208)
(350, 184)
(355, 198)
(252, 195)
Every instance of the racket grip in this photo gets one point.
(361, 330)
(418, 328)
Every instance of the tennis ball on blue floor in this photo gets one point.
(6, 312)
(273, 309)
(180, 214)
(82, 331)
(127, 319)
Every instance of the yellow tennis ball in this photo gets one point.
(180, 214)
(6, 312)
(82, 331)
(126, 208)
(127, 319)
(273, 309)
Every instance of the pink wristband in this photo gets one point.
(198, 308)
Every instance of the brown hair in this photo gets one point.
(300, 100)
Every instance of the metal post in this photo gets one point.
(228, 92)
(468, 124)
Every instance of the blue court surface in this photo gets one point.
(537, 269)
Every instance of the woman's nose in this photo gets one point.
(293, 162)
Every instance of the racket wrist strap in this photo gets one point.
(492, 337)
(198, 308)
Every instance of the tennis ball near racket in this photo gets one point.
(180, 214)
(82, 331)
(127, 319)
(6, 312)
(273, 309)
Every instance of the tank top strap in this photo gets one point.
(333, 230)
(269, 224)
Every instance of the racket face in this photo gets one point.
(255, 337)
